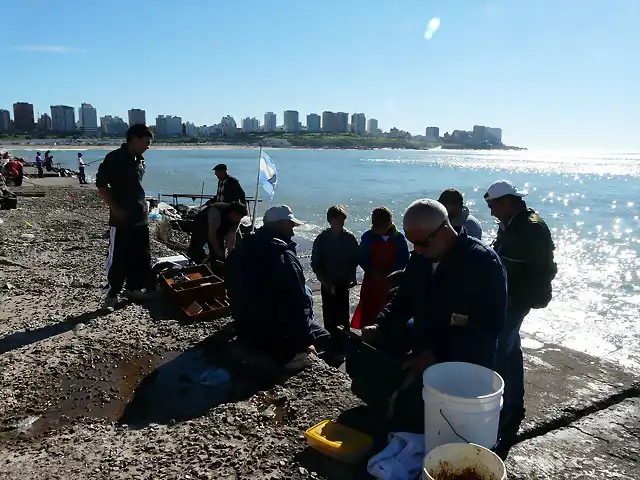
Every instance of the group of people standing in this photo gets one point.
(450, 298)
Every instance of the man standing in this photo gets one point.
(271, 306)
(81, 175)
(229, 188)
(214, 225)
(459, 215)
(525, 246)
(119, 182)
(334, 260)
(39, 165)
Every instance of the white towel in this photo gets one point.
(400, 460)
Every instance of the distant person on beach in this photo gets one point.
(15, 171)
(334, 260)
(81, 175)
(39, 165)
(229, 188)
(119, 182)
(48, 161)
(450, 304)
(383, 250)
(214, 225)
(271, 306)
(459, 214)
(525, 245)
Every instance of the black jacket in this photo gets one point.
(232, 191)
(526, 249)
(459, 310)
(266, 289)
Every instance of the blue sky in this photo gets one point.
(552, 74)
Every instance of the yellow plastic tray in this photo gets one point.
(339, 442)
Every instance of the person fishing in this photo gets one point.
(214, 225)
(383, 250)
(229, 188)
(81, 175)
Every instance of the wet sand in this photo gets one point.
(136, 394)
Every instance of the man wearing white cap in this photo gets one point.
(270, 303)
(525, 246)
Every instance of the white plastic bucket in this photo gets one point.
(462, 404)
(453, 458)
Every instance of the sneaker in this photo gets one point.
(109, 304)
(142, 295)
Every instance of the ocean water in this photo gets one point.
(589, 200)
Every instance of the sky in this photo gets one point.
(550, 73)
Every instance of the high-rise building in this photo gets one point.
(63, 118)
(44, 122)
(168, 126)
(358, 124)
(137, 116)
(113, 125)
(313, 123)
(190, 129)
(329, 122)
(432, 133)
(250, 125)
(270, 123)
(291, 121)
(228, 126)
(372, 127)
(5, 121)
(23, 119)
(494, 135)
(342, 122)
(88, 119)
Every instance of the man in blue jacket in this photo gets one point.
(455, 289)
(270, 303)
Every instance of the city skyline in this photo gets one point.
(547, 73)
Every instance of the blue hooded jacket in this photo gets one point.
(458, 310)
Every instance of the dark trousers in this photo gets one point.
(129, 259)
(510, 366)
(40, 171)
(81, 175)
(335, 312)
(196, 248)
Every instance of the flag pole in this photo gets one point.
(255, 205)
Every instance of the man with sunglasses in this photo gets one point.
(525, 246)
(455, 289)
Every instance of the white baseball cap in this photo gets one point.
(279, 213)
(502, 188)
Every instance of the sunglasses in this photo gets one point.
(427, 241)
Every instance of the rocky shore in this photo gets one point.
(134, 394)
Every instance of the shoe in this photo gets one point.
(142, 295)
(109, 304)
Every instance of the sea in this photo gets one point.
(590, 201)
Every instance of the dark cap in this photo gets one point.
(451, 196)
(219, 167)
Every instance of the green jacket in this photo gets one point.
(526, 249)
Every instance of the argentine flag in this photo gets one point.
(268, 176)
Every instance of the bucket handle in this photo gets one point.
(451, 426)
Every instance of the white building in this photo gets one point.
(88, 119)
(204, 131)
(113, 125)
(270, 123)
(250, 125)
(168, 126)
(358, 124)
(494, 135)
(291, 121)
(137, 116)
(228, 126)
(433, 134)
(63, 118)
(313, 123)
(190, 130)
(372, 127)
